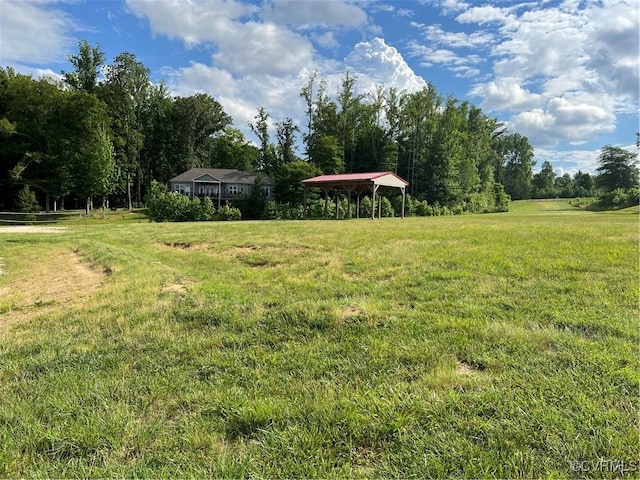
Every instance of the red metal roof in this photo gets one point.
(350, 177)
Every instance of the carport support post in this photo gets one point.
(326, 198)
(403, 195)
(348, 190)
(379, 205)
(373, 201)
(337, 199)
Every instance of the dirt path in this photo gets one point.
(62, 280)
(32, 229)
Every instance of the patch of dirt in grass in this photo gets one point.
(239, 250)
(187, 245)
(60, 281)
(178, 287)
(350, 314)
(464, 368)
(32, 229)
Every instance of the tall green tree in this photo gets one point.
(618, 168)
(327, 155)
(544, 182)
(419, 119)
(564, 186)
(286, 136)
(90, 152)
(584, 184)
(157, 129)
(230, 149)
(307, 92)
(86, 67)
(289, 179)
(125, 92)
(260, 128)
(195, 120)
(350, 106)
(30, 151)
(514, 156)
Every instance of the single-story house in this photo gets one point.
(220, 184)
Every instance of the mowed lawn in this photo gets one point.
(502, 345)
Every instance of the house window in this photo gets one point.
(207, 190)
(266, 191)
(183, 188)
(233, 189)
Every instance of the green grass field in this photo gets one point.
(502, 345)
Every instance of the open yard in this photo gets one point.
(502, 345)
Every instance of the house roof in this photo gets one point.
(387, 179)
(225, 175)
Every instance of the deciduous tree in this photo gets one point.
(617, 169)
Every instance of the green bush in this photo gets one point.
(315, 209)
(365, 207)
(620, 198)
(582, 202)
(279, 211)
(502, 198)
(423, 209)
(228, 213)
(163, 206)
(27, 202)
(409, 205)
(387, 208)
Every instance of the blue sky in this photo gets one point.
(562, 72)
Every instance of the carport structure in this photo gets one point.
(357, 183)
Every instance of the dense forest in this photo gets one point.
(107, 132)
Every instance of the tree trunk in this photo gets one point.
(129, 191)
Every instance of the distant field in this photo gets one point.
(502, 345)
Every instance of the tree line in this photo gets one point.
(107, 131)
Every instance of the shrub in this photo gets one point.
(582, 202)
(278, 211)
(502, 198)
(315, 209)
(365, 207)
(27, 202)
(229, 213)
(620, 198)
(163, 206)
(387, 208)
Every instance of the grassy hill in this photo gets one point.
(500, 345)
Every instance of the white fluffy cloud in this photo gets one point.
(375, 62)
(243, 45)
(436, 34)
(485, 14)
(33, 32)
(507, 94)
(564, 119)
(309, 14)
(459, 52)
(564, 72)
